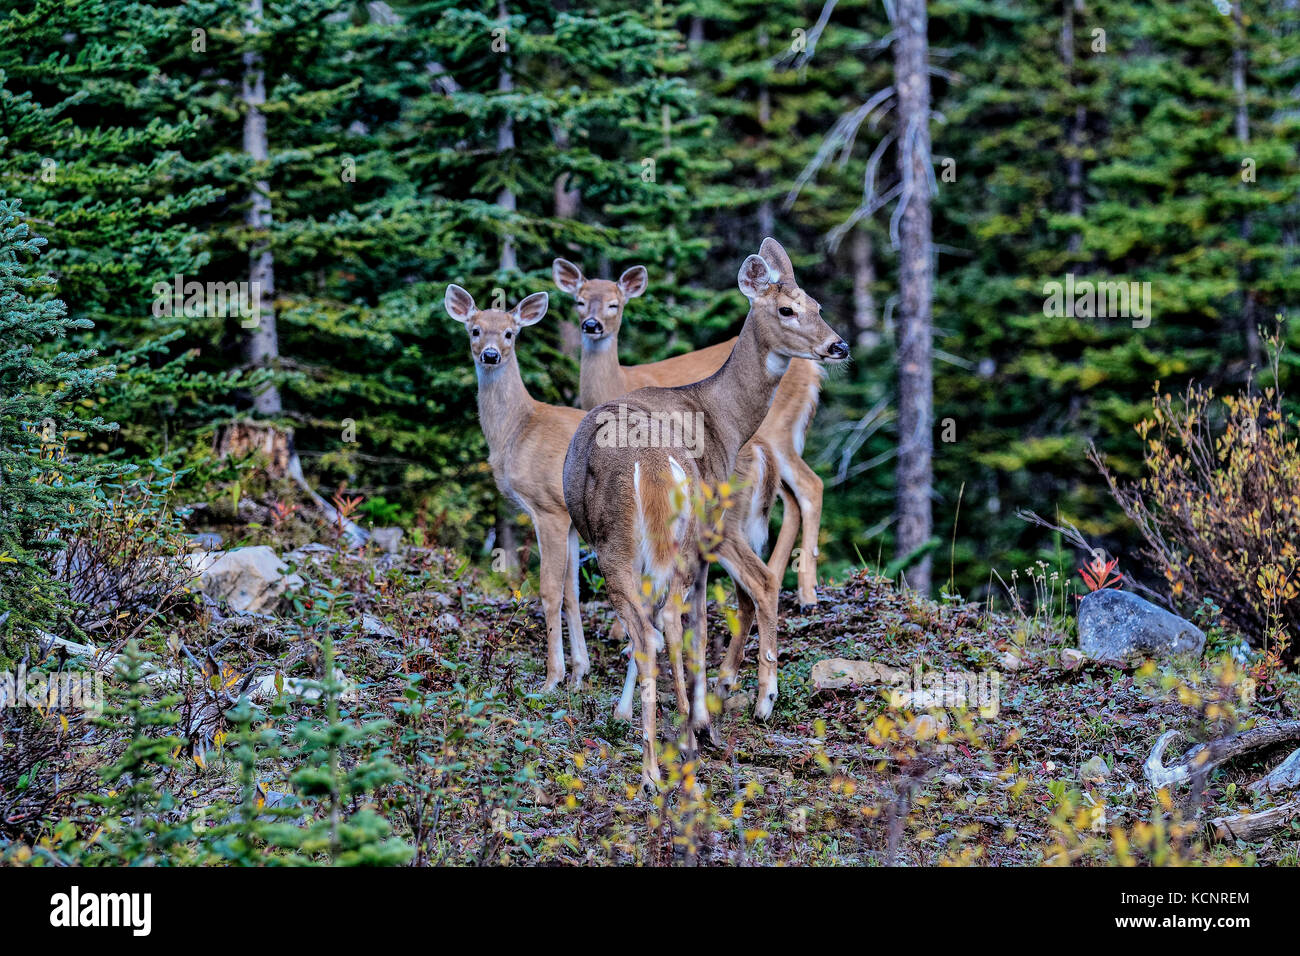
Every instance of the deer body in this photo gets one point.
(635, 502)
(777, 446)
(527, 440)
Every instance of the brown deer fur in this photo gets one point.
(638, 506)
(527, 440)
(777, 446)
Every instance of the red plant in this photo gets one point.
(1097, 574)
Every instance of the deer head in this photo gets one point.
(600, 301)
(789, 320)
(492, 332)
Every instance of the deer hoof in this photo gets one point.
(763, 709)
(623, 713)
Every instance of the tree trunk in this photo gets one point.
(1241, 126)
(914, 474)
(505, 143)
(865, 331)
(261, 343)
(1074, 157)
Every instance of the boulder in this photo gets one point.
(1116, 627)
(247, 579)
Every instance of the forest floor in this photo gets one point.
(492, 770)
(837, 777)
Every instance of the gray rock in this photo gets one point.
(388, 540)
(248, 579)
(1116, 627)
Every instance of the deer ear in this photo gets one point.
(772, 251)
(633, 282)
(755, 276)
(459, 303)
(531, 309)
(567, 276)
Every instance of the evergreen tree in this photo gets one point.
(44, 493)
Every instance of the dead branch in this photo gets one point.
(1254, 826)
(1203, 758)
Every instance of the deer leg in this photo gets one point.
(729, 670)
(752, 576)
(624, 594)
(808, 489)
(552, 542)
(573, 613)
(670, 623)
(791, 520)
(700, 718)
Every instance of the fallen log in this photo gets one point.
(1254, 826)
(1203, 758)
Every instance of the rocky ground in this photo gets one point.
(1049, 769)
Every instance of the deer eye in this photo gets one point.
(581, 303)
(786, 311)
(474, 333)
(612, 306)
(509, 335)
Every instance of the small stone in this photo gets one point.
(738, 702)
(923, 727)
(1094, 770)
(1071, 659)
(952, 780)
(1010, 662)
(375, 628)
(836, 673)
(446, 622)
(388, 540)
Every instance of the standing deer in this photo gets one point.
(634, 501)
(770, 464)
(526, 441)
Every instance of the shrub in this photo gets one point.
(1219, 504)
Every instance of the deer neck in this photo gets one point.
(503, 404)
(600, 377)
(738, 395)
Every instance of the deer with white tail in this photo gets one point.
(771, 463)
(527, 441)
(636, 503)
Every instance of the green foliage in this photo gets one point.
(43, 385)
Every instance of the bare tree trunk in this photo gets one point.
(567, 201)
(261, 343)
(505, 143)
(1241, 126)
(766, 217)
(1074, 158)
(914, 474)
(865, 330)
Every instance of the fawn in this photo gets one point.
(634, 501)
(771, 463)
(527, 441)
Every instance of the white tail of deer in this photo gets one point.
(770, 464)
(636, 502)
(527, 440)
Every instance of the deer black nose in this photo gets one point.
(490, 356)
(592, 327)
(840, 350)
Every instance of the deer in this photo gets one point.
(527, 441)
(775, 451)
(636, 501)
